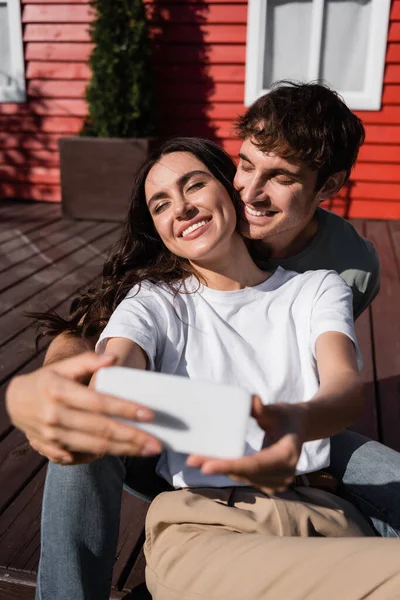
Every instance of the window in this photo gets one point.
(12, 76)
(342, 42)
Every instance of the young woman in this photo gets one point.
(199, 306)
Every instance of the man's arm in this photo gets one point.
(373, 284)
(60, 415)
(66, 345)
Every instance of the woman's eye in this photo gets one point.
(195, 186)
(160, 207)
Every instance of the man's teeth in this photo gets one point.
(194, 227)
(258, 213)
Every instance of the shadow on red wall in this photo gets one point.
(29, 157)
(181, 68)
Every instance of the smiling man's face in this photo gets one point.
(278, 194)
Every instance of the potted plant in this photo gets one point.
(97, 167)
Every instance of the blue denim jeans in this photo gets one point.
(81, 510)
(370, 476)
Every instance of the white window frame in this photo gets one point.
(16, 91)
(368, 99)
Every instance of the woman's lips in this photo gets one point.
(195, 230)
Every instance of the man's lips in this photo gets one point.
(258, 213)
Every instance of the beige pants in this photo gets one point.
(235, 544)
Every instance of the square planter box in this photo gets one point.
(97, 175)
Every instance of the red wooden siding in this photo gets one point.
(200, 71)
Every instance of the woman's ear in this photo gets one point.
(332, 185)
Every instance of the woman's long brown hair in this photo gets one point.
(139, 254)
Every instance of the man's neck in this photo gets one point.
(287, 244)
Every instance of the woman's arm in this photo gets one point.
(61, 416)
(126, 352)
(339, 399)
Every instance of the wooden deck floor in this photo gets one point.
(44, 259)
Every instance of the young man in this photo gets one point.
(299, 145)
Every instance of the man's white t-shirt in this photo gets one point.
(260, 338)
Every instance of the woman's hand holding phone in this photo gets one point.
(70, 423)
(273, 468)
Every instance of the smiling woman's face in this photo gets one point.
(192, 211)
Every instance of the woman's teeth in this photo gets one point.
(193, 227)
(258, 213)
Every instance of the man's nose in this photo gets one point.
(253, 191)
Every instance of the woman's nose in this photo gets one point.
(182, 208)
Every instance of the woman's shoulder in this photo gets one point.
(313, 280)
(168, 294)
(148, 288)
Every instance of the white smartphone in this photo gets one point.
(191, 416)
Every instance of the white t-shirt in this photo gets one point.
(260, 338)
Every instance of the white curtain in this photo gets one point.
(343, 48)
(344, 43)
(5, 58)
(287, 40)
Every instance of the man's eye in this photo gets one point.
(246, 168)
(285, 181)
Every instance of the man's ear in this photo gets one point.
(332, 186)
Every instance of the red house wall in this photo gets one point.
(200, 71)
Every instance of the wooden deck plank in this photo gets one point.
(133, 513)
(18, 214)
(21, 228)
(47, 228)
(16, 321)
(19, 463)
(12, 589)
(20, 526)
(386, 334)
(66, 261)
(27, 248)
(39, 261)
(136, 579)
(17, 585)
